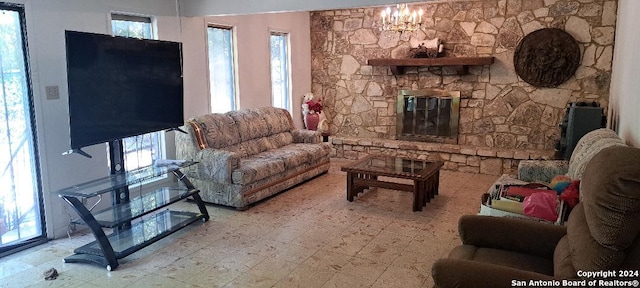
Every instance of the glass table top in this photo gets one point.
(111, 182)
(396, 166)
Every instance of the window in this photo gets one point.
(141, 150)
(280, 76)
(131, 26)
(21, 218)
(222, 83)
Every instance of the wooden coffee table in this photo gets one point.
(364, 173)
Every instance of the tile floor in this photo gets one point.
(309, 236)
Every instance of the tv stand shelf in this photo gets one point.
(136, 223)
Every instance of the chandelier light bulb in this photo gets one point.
(401, 19)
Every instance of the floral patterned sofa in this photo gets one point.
(248, 155)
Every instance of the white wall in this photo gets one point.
(209, 7)
(46, 22)
(625, 79)
(253, 54)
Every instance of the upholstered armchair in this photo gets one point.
(602, 234)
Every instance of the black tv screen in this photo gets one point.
(121, 87)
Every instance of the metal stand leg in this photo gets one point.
(108, 257)
(196, 197)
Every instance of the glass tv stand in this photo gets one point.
(136, 223)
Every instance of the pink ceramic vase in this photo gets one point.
(311, 121)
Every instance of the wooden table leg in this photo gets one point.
(417, 196)
(428, 191)
(425, 192)
(429, 188)
(350, 189)
(432, 186)
(437, 183)
(422, 193)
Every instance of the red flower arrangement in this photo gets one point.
(315, 106)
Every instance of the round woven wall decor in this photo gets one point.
(547, 57)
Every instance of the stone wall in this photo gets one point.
(498, 110)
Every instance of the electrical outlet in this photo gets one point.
(53, 92)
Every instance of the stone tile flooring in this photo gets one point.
(308, 236)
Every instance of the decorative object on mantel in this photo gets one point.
(401, 19)
(547, 57)
(425, 48)
(311, 111)
(462, 63)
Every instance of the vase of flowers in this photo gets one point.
(311, 110)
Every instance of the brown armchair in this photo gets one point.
(602, 234)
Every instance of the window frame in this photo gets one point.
(235, 99)
(132, 17)
(289, 82)
(32, 140)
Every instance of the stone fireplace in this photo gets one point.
(502, 119)
(428, 115)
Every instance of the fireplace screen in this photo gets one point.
(428, 115)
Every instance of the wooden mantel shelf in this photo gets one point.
(462, 63)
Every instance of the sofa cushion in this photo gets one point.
(251, 124)
(298, 153)
(237, 148)
(306, 136)
(262, 144)
(290, 155)
(610, 192)
(255, 167)
(279, 140)
(279, 120)
(254, 146)
(219, 130)
(315, 151)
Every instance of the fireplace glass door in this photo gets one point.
(428, 115)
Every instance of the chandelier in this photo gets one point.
(401, 19)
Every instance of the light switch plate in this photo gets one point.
(53, 92)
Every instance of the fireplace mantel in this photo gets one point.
(462, 63)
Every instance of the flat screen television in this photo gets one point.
(121, 87)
